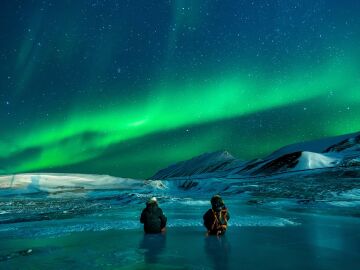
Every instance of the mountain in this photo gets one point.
(341, 151)
(298, 161)
(316, 146)
(207, 163)
(351, 144)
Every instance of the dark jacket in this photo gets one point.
(153, 219)
(216, 221)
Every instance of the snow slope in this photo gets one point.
(310, 160)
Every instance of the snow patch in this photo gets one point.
(311, 160)
(194, 202)
(352, 194)
(345, 203)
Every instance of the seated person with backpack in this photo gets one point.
(153, 217)
(216, 218)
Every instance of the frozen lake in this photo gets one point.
(100, 229)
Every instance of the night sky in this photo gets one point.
(128, 87)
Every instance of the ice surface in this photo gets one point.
(92, 222)
(352, 194)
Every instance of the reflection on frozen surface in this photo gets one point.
(153, 245)
(218, 251)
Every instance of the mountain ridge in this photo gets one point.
(323, 153)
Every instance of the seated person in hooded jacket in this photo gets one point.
(153, 217)
(216, 218)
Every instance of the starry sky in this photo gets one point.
(128, 87)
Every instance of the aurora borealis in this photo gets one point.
(128, 87)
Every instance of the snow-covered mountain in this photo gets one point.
(207, 163)
(316, 146)
(340, 151)
(297, 161)
(349, 145)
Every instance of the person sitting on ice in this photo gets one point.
(216, 218)
(153, 217)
